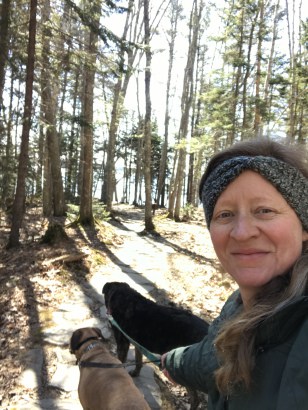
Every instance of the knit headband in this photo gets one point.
(290, 182)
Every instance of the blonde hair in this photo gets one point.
(235, 343)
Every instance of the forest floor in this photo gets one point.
(37, 276)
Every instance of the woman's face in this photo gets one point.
(256, 234)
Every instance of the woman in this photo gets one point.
(255, 357)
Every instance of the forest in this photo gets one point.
(125, 101)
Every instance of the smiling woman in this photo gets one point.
(251, 229)
(255, 198)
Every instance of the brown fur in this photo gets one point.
(103, 388)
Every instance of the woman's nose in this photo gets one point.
(244, 227)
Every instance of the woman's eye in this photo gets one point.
(265, 211)
(223, 215)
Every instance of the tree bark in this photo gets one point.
(186, 103)
(149, 226)
(163, 161)
(257, 121)
(86, 212)
(117, 104)
(50, 92)
(270, 64)
(4, 27)
(20, 196)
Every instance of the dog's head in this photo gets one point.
(83, 335)
(110, 288)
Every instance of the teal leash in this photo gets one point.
(151, 356)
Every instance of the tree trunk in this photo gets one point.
(270, 63)
(20, 196)
(149, 226)
(257, 121)
(163, 161)
(117, 104)
(237, 77)
(49, 108)
(193, 173)
(86, 212)
(4, 27)
(186, 103)
(293, 76)
(138, 170)
(72, 160)
(245, 122)
(8, 160)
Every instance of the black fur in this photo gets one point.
(156, 327)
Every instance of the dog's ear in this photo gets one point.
(75, 340)
(106, 288)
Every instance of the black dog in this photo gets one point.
(156, 327)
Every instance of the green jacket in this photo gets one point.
(280, 377)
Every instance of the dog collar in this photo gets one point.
(85, 341)
(90, 347)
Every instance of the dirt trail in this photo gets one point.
(37, 281)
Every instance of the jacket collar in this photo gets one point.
(282, 324)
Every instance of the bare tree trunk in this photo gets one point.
(193, 174)
(237, 78)
(118, 99)
(7, 165)
(172, 188)
(270, 61)
(245, 122)
(47, 185)
(50, 94)
(149, 226)
(86, 212)
(4, 27)
(302, 86)
(139, 168)
(20, 196)
(71, 177)
(175, 12)
(257, 121)
(293, 75)
(186, 103)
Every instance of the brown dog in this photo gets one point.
(103, 388)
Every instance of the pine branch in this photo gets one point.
(103, 32)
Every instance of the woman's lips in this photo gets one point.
(249, 253)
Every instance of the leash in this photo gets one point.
(83, 363)
(109, 365)
(151, 356)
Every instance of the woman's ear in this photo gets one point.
(305, 236)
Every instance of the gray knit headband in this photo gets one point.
(290, 182)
